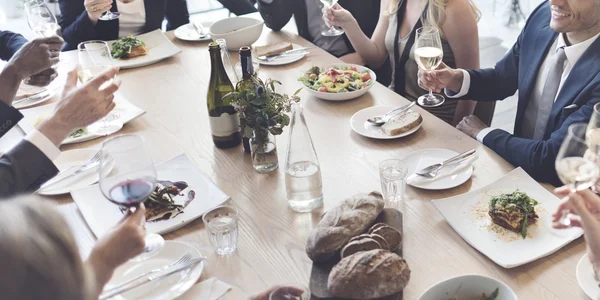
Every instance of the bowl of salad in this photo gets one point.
(338, 82)
(469, 287)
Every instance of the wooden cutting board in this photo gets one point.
(319, 274)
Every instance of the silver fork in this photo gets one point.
(183, 259)
(92, 162)
(432, 171)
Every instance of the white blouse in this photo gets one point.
(133, 17)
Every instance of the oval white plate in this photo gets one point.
(585, 277)
(188, 33)
(423, 158)
(169, 287)
(284, 60)
(360, 125)
(69, 159)
(468, 287)
(347, 95)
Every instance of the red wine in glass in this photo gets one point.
(132, 192)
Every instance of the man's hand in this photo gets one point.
(443, 77)
(471, 125)
(36, 56)
(43, 78)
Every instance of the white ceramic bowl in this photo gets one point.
(347, 95)
(468, 287)
(237, 31)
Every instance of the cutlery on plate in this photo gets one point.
(275, 56)
(88, 165)
(380, 120)
(37, 96)
(432, 171)
(183, 259)
(199, 29)
(151, 277)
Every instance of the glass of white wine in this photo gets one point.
(109, 15)
(40, 18)
(332, 30)
(429, 55)
(575, 163)
(592, 138)
(94, 59)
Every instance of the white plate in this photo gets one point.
(344, 96)
(360, 125)
(124, 110)
(159, 48)
(34, 100)
(101, 214)
(467, 214)
(424, 158)
(468, 287)
(169, 287)
(283, 60)
(188, 33)
(585, 277)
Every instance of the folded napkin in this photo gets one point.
(210, 289)
(446, 171)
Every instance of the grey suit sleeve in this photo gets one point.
(23, 169)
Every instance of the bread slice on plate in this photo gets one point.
(273, 49)
(404, 123)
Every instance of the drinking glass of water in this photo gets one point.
(392, 173)
(222, 225)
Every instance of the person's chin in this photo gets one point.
(560, 22)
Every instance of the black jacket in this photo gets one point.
(10, 43)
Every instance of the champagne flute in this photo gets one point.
(94, 58)
(109, 15)
(575, 164)
(40, 18)
(332, 30)
(131, 181)
(429, 54)
(593, 138)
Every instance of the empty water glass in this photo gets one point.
(222, 225)
(393, 179)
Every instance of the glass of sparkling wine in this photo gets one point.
(109, 15)
(40, 18)
(429, 55)
(592, 138)
(392, 173)
(222, 225)
(576, 164)
(94, 58)
(332, 30)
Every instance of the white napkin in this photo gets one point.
(210, 289)
(443, 173)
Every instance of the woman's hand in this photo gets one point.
(338, 16)
(95, 8)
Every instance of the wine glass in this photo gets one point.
(40, 18)
(109, 15)
(94, 58)
(429, 54)
(332, 30)
(593, 137)
(290, 292)
(576, 164)
(131, 179)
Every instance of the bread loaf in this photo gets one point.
(273, 49)
(351, 218)
(391, 235)
(368, 275)
(403, 123)
(364, 244)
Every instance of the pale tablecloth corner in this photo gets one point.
(210, 289)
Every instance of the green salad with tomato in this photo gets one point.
(336, 79)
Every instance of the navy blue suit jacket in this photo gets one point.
(77, 26)
(10, 43)
(518, 71)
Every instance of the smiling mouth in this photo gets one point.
(557, 14)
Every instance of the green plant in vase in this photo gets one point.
(263, 115)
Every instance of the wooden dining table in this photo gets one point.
(272, 237)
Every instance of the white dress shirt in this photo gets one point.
(132, 19)
(44, 144)
(573, 53)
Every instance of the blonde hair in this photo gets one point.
(436, 12)
(40, 259)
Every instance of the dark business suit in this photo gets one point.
(77, 26)
(10, 43)
(518, 71)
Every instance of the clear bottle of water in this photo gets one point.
(302, 171)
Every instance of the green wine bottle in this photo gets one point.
(247, 81)
(224, 120)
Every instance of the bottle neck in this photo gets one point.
(247, 66)
(216, 66)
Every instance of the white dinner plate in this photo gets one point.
(188, 33)
(585, 277)
(468, 216)
(167, 288)
(35, 99)
(424, 158)
(360, 125)
(159, 48)
(283, 60)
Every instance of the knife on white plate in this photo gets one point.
(288, 52)
(451, 161)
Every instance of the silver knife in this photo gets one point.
(82, 169)
(453, 160)
(199, 29)
(37, 96)
(127, 287)
(293, 51)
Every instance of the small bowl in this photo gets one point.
(347, 95)
(468, 287)
(237, 31)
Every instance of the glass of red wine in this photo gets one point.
(130, 181)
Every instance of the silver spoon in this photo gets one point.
(380, 120)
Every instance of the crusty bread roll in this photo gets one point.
(351, 218)
(363, 244)
(273, 49)
(402, 124)
(369, 275)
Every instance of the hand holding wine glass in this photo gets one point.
(40, 18)
(332, 30)
(429, 55)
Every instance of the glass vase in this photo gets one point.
(264, 151)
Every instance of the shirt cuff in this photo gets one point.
(464, 89)
(481, 135)
(39, 140)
